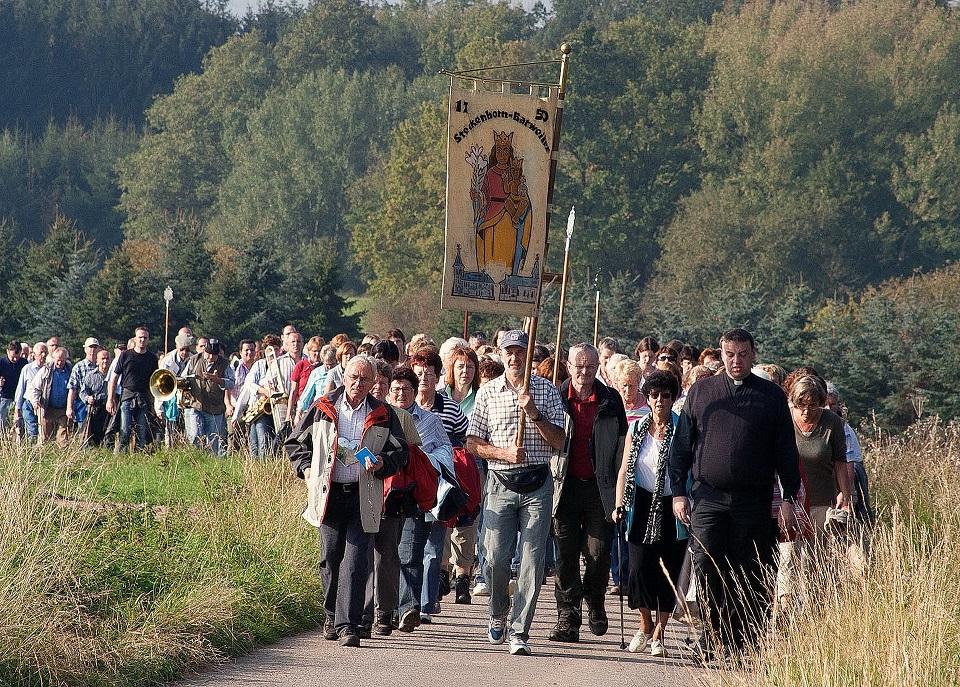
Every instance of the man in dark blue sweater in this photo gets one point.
(734, 437)
(10, 366)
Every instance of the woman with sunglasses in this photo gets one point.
(657, 540)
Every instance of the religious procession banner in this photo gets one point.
(499, 146)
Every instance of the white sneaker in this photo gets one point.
(639, 642)
(519, 646)
(480, 589)
(657, 648)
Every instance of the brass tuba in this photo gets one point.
(163, 385)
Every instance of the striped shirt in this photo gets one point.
(94, 385)
(496, 416)
(349, 430)
(453, 419)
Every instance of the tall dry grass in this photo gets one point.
(896, 622)
(116, 594)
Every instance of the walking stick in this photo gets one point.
(623, 644)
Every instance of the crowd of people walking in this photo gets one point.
(694, 482)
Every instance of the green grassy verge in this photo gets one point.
(131, 570)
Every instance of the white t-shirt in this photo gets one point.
(646, 470)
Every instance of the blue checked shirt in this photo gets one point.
(496, 415)
(80, 370)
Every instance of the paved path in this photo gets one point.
(453, 650)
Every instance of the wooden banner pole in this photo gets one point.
(565, 51)
(563, 292)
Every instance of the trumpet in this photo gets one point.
(164, 385)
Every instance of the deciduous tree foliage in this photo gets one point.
(803, 129)
(397, 222)
(629, 148)
(185, 153)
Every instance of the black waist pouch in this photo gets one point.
(523, 480)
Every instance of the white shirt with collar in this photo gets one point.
(350, 429)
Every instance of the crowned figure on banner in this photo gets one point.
(503, 218)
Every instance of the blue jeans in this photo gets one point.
(432, 553)
(481, 553)
(130, 415)
(261, 437)
(30, 424)
(413, 540)
(549, 557)
(506, 514)
(212, 430)
(5, 404)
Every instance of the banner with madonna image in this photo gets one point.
(499, 147)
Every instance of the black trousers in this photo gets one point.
(383, 582)
(345, 560)
(734, 562)
(580, 527)
(97, 417)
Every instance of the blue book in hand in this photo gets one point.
(366, 457)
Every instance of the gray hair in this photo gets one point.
(451, 344)
(583, 347)
(362, 358)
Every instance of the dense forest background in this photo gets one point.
(789, 166)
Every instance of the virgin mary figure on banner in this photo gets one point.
(503, 217)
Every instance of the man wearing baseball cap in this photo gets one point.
(519, 485)
(78, 412)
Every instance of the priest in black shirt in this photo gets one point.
(734, 438)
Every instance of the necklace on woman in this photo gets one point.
(657, 430)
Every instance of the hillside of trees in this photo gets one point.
(789, 166)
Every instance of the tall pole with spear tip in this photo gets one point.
(596, 310)
(571, 218)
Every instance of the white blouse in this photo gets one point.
(646, 469)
